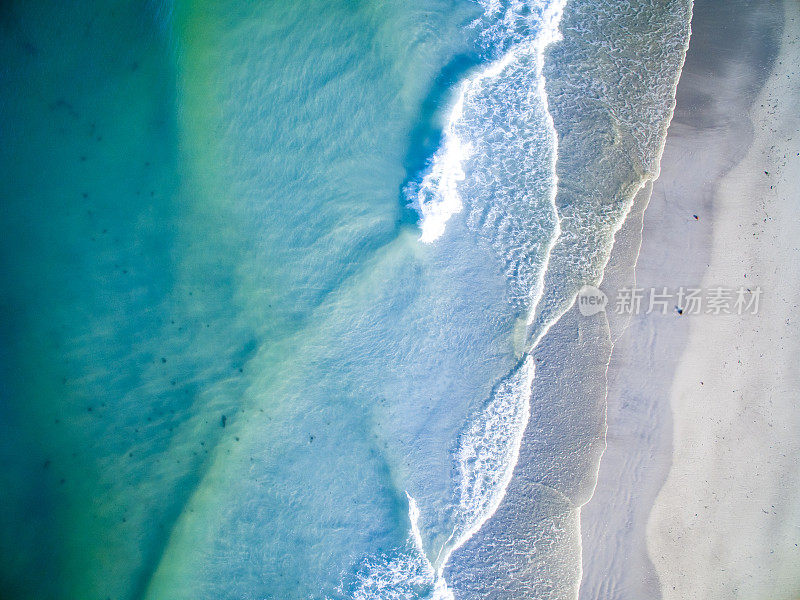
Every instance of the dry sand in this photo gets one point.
(727, 522)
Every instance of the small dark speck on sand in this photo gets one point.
(310, 439)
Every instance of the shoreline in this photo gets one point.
(672, 246)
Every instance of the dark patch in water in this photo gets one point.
(426, 137)
(247, 352)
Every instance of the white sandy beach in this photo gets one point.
(727, 522)
(704, 407)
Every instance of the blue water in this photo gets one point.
(272, 274)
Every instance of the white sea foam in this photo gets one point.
(437, 197)
(519, 225)
(405, 576)
(506, 31)
(499, 125)
(489, 450)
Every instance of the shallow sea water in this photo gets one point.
(230, 366)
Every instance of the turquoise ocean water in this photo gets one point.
(270, 278)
